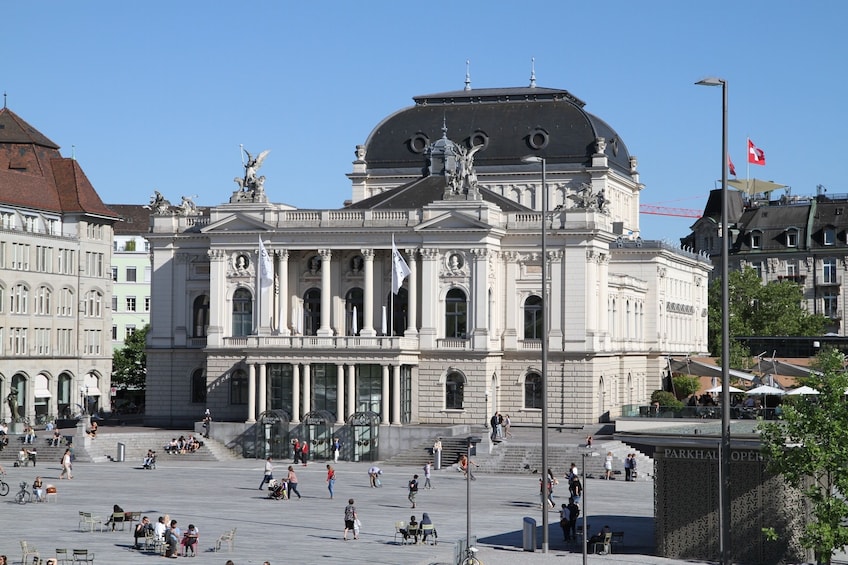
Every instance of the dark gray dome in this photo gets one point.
(511, 122)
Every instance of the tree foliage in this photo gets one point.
(757, 309)
(665, 399)
(809, 448)
(685, 385)
(129, 364)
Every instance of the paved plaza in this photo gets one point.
(217, 496)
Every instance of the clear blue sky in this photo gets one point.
(159, 95)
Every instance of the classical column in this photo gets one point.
(326, 294)
(367, 329)
(396, 395)
(429, 300)
(557, 299)
(263, 389)
(340, 394)
(218, 317)
(307, 389)
(251, 394)
(283, 294)
(295, 393)
(351, 389)
(480, 299)
(385, 396)
(412, 303)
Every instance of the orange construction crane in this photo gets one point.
(666, 211)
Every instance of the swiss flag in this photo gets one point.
(730, 165)
(756, 156)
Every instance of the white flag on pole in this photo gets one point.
(266, 267)
(400, 270)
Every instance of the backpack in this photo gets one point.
(413, 485)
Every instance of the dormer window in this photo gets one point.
(756, 240)
(829, 236)
(792, 237)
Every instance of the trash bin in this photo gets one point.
(529, 534)
(437, 459)
(122, 452)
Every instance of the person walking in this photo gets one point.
(291, 479)
(413, 489)
(506, 425)
(66, 465)
(573, 514)
(337, 447)
(428, 466)
(269, 473)
(350, 519)
(608, 466)
(331, 480)
(304, 452)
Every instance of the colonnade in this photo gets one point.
(257, 392)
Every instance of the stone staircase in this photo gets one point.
(45, 453)
(105, 447)
(419, 454)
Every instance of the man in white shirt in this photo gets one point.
(159, 529)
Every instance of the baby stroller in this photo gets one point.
(277, 490)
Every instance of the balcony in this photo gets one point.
(793, 278)
(317, 343)
(832, 280)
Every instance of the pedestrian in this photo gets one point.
(507, 423)
(493, 421)
(413, 489)
(608, 466)
(331, 479)
(350, 519)
(633, 474)
(428, 466)
(374, 473)
(564, 521)
(291, 479)
(66, 465)
(337, 447)
(269, 473)
(573, 514)
(589, 440)
(296, 449)
(552, 482)
(627, 468)
(304, 452)
(437, 452)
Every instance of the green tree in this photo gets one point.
(685, 385)
(809, 448)
(665, 399)
(758, 309)
(129, 364)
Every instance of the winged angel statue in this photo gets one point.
(251, 184)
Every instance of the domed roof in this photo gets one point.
(510, 122)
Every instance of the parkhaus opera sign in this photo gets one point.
(711, 454)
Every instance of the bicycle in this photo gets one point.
(23, 495)
(4, 486)
(471, 557)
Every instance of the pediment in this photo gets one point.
(235, 223)
(453, 221)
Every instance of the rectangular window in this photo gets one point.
(792, 238)
(92, 342)
(147, 304)
(829, 236)
(755, 241)
(829, 271)
(43, 259)
(114, 274)
(66, 342)
(131, 274)
(831, 303)
(148, 274)
(20, 257)
(129, 331)
(114, 332)
(114, 303)
(42, 341)
(791, 269)
(66, 303)
(130, 303)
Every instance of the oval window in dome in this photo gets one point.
(537, 138)
(478, 138)
(418, 143)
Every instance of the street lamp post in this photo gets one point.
(585, 454)
(536, 159)
(724, 451)
(471, 441)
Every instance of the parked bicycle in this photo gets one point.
(470, 557)
(23, 495)
(4, 486)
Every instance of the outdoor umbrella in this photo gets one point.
(717, 389)
(803, 390)
(766, 389)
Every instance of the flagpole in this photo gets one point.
(748, 167)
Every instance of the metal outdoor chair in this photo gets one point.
(399, 527)
(605, 545)
(83, 556)
(62, 556)
(90, 521)
(228, 537)
(28, 549)
(428, 534)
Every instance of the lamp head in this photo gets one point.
(532, 159)
(711, 81)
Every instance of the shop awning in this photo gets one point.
(692, 367)
(91, 386)
(42, 393)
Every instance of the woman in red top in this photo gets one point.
(331, 479)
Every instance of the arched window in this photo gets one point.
(353, 300)
(200, 315)
(198, 387)
(454, 388)
(238, 387)
(311, 311)
(42, 301)
(19, 297)
(533, 317)
(93, 304)
(533, 391)
(242, 312)
(456, 314)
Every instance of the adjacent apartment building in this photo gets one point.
(55, 257)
